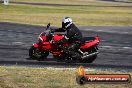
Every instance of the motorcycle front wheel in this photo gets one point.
(35, 54)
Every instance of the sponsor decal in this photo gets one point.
(83, 78)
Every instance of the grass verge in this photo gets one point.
(14, 77)
(99, 13)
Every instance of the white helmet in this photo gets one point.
(66, 22)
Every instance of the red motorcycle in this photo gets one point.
(87, 52)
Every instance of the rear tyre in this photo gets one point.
(92, 58)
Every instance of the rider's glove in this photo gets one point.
(51, 41)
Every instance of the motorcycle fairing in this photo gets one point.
(57, 37)
(46, 45)
(36, 45)
(90, 43)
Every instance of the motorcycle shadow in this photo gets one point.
(41, 59)
(53, 59)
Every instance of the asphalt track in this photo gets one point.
(115, 46)
(48, 4)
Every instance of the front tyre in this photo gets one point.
(35, 54)
(43, 56)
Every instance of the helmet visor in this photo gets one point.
(64, 25)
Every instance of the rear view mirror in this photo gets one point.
(48, 25)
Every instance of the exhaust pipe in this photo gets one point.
(89, 55)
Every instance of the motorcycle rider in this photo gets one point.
(73, 35)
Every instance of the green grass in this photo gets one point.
(89, 15)
(14, 77)
(58, 1)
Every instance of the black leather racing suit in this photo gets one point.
(73, 35)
